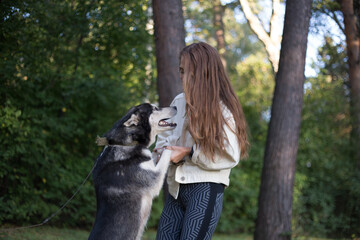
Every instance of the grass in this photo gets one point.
(51, 233)
(45, 233)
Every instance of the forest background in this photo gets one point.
(70, 69)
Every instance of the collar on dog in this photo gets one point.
(102, 141)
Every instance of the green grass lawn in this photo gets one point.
(45, 233)
(50, 233)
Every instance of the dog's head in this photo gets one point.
(141, 125)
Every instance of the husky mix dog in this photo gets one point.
(126, 178)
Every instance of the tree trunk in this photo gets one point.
(270, 40)
(169, 40)
(218, 11)
(169, 33)
(352, 33)
(277, 180)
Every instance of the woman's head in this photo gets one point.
(205, 85)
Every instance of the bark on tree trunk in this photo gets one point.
(275, 199)
(219, 30)
(169, 33)
(169, 40)
(352, 33)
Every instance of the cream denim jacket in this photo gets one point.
(198, 168)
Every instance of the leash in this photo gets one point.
(60, 209)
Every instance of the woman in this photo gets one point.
(209, 138)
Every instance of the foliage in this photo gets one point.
(331, 60)
(322, 11)
(239, 39)
(320, 153)
(70, 69)
(327, 183)
(198, 17)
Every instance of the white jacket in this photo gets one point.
(199, 168)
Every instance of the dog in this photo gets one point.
(126, 177)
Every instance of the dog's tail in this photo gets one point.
(101, 141)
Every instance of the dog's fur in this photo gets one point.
(125, 177)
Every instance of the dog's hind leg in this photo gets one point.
(146, 202)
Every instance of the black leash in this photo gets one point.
(60, 209)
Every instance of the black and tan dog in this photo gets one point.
(126, 177)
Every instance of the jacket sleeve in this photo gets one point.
(228, 160)
(169, 138)
(163, 139)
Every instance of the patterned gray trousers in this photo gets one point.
(194, 214)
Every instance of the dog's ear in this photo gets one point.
(132, 121)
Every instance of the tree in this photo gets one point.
(277, 180)
(351, 13)
(271, 39)
(169, 40)
(219, 29)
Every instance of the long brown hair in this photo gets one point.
(206, 85)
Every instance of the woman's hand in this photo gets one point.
(178, 153)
